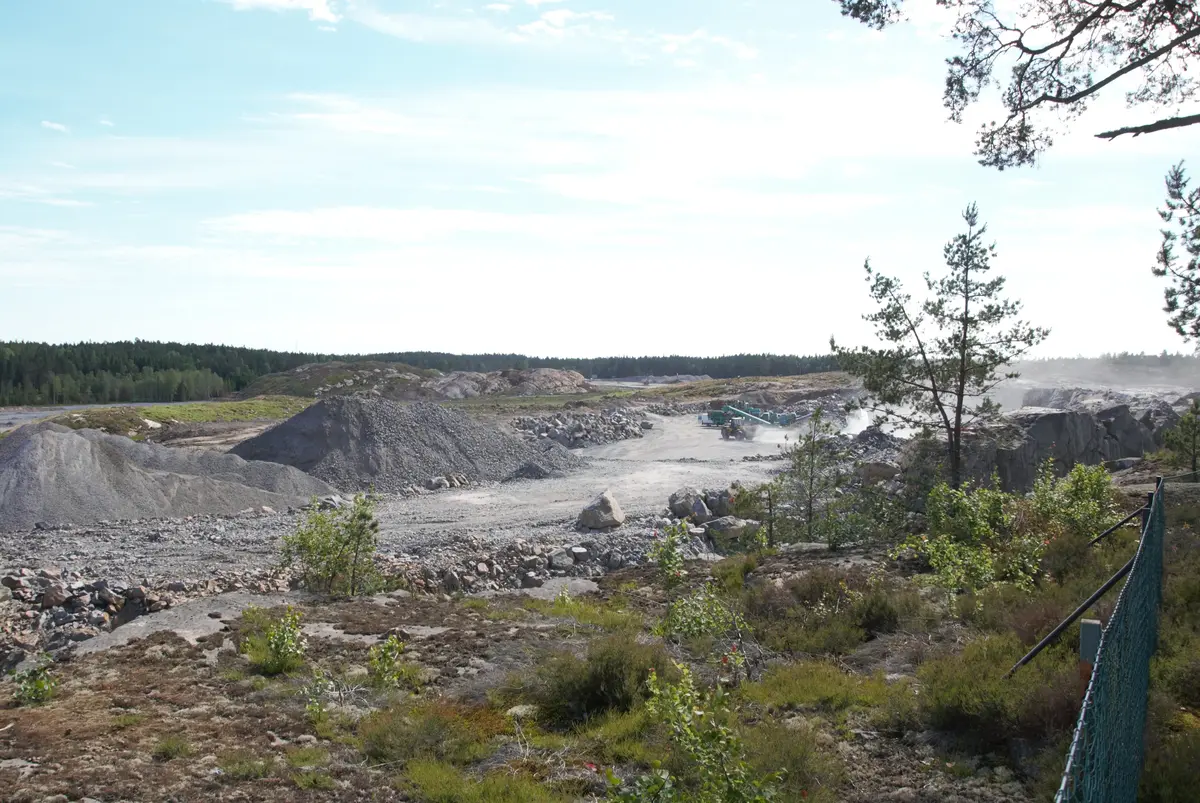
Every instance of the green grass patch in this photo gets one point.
(314, 780)
(623, 737)
(437, 731)
(439, 782)
(810, 773)
(126, 721)
(816, 685)
(243, 765)
(132, 420)
(610, 616)
(304, 757)
(170, 748)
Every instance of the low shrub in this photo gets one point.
(701, 613)
(816, 685)
(569, 690)
(439, 782)
(35, 685)
(280, 647)
(610, 616)
(439, 731)
(700, 729)
(967, 693)
(243, 765)
(808, 772)
(387, 668)
(335, 549)
(667, 555)
(730, 574)
(171, 747)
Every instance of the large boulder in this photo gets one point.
(689, 502)
(729, 530)
(603, 513)
(1126, 436)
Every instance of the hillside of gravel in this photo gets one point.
(55, 475)
(356, 442)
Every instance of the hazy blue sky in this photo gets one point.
(567, 177)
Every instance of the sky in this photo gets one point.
(549, 177)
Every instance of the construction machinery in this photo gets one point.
(738, 429)
(770, 418)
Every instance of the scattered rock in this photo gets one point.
(602, 514)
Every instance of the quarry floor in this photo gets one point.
(641, 473)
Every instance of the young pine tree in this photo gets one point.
(1184, 440)
(939, 359)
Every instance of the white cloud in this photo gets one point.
(431, 28)
(104, 121)
(62, 165)
(318, 10)
(540, 3)
(59, 127)
(499, 8)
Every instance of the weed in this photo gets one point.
(699, 727)
(306, 757)
(568, 690)
(314, 780)
(610, 617)
(816, 685)
(280, 647)
(436, 731)
(808, 772)
(244, 766)
(35, 685)
(126, 721)
(667, 556)
(388, 669)
(701, 613)
(171, 747)
(439, 782)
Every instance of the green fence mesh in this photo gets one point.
(1104, 764)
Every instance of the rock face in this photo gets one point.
(602, 514)
(689, 502)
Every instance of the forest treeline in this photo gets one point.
(147, 371)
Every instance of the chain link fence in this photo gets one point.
(1104, 764)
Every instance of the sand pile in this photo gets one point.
(356, 442)
(56, 475)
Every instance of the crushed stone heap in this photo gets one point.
(356, 442)
(55, 475)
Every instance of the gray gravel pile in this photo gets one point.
(50, 474)
(358, 442)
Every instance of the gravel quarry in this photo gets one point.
(356, 443)
(52, 475)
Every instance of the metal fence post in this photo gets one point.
(1089, 646)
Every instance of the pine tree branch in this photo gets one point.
(1150, 128)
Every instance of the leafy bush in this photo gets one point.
(278, 649)
(569, 690)
(979, 537)
(700, 729)
(335, 549)
(667, 556)
(35, 685)
(701, 613)
(387, 668)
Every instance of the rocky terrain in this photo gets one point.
(580, 429)
(403, 382)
